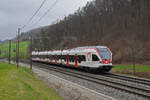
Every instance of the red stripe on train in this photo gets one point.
(67, 61)
(76, 61)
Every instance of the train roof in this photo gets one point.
(90, 47)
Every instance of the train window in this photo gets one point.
(53, 57)
(58, 57)
(94, 57)
(71, 58)
(81, 58)
(64, 57)
(44, 56)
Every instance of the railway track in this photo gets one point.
(105, 80)
(117, 76)
(129, 78)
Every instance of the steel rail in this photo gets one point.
(129, 78)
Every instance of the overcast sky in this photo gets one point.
(15, 13)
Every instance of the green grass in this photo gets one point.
(23, 49)
(139, 68)
(22, 85)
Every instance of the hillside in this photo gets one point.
(26, 35)
(122, 25)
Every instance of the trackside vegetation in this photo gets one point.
(23, 48)
(20, 84)
(140, 70)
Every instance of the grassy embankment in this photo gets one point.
(23, 49)
(140, 70)
(22, 85)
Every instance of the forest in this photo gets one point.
(122, 25)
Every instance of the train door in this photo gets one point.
(89, 58)
(43, 58)
(76, 58)
(95, 60)
(67, 63)
(63, 59)
(51, 59)
(55, 59)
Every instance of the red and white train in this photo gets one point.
(89, 57)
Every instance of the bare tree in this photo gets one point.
(133, 49)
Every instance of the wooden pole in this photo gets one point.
(9, 56)
(31, 52)
(18, 48)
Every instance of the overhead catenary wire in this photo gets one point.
(43, 2)
(50, 8)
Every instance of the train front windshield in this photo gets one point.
(105, 53)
